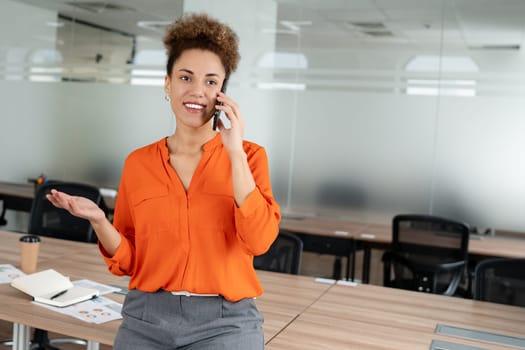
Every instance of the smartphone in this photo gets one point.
(217, 113)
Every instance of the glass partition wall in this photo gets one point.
(367, 109)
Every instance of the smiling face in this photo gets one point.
(195, 80)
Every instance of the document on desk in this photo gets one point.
(102, 288)
(346, 283)
(98, 310)
(324, 280)
(8, 273)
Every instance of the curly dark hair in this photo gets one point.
(200, 31)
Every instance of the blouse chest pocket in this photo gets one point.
(154, 211)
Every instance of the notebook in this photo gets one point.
(52, 288)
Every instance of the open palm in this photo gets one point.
(78, 206)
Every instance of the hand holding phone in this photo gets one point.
(217, 113)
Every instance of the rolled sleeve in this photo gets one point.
(257, 222)
(121, 263)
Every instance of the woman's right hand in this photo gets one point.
(77, 206)
(85, 208)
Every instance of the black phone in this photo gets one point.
(217, 113)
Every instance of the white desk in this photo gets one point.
(368, 317)
(299, 313)
(286, 296)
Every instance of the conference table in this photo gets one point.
(300, 312)
(285, 297)
(369, 317)
(368, 236)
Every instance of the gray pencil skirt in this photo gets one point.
(162, 320)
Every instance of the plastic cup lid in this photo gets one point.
(30, 239)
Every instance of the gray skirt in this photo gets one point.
(162, 320)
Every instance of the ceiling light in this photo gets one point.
(434, 63)
(281, 86)
(283, 60)
(295, 26)
(55, 24)
(158, 26)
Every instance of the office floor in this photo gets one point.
(6, 329)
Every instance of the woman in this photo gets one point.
(192, 210)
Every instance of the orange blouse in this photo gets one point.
(196, 240)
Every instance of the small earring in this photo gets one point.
(167, 98)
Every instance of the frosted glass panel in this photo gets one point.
(78, 132)
(359, 153)
(480, 164)
(480, 175)
(374, 135)
(367, 109)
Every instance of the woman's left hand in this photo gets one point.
(231, 137)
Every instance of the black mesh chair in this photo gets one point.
(46, 220)
(501, 281)
(429, 254)
(284, 255)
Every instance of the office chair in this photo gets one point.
(49, 221)
(284, 255)
(429, 254)
(500, 280)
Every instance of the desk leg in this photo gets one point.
(3, 221)
(91, 345)
(350, 266)
(353, 264)
(336, 273)
(21, 340)
(366, 264)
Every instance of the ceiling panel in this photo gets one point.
(118, 15)
(322, 24)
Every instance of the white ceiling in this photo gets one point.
(466, 23)
(324, 24)
(119, 15)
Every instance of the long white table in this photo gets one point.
(369, 317)
(285, 297)
(299, 312)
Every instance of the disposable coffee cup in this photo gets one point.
(29, 246)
